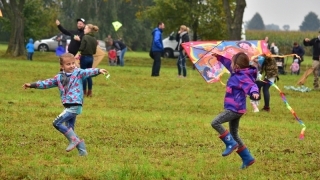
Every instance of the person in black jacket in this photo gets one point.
(298, 50)
(76, 35)
(315, 43)
(182, 37)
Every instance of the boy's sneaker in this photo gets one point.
(266, 109)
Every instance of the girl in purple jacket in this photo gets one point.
(240, 84)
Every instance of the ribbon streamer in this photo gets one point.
(284, 99)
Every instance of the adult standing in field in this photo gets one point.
(121, 49)
(87, 49)
(76, 35)
(315, 43)
(266, 41)
(298, 50)
(157, 49)
(182, 37)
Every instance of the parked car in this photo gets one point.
(169, 45)
(51, 44)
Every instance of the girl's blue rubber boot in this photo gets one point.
(231, 144)
(82, 148)
(73, 139)
(246, 157)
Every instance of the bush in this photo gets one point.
(283, 39)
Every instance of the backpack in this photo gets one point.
(295, 67)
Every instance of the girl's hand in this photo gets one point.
(102, 71)
(26, 85)
(255, 95)
(77, 57)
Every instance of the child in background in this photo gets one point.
(269, 71)
(295, 66)
(112, 56)
(240, 84)
(69, 83)
(30, 49)
(257, 64)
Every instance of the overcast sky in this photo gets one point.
(281, 12)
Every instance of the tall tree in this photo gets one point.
(234, 10)
(256, 23)
(23, 18)
(286, 27)
(13, 11)
(204, 17)
(310, 22)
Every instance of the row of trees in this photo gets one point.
(210, 19)
(311, 22)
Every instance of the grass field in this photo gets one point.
(139, 127)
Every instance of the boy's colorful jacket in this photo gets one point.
(72, 93)
(240, 84)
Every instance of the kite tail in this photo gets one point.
(284, 99)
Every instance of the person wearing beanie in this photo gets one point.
(76, 35)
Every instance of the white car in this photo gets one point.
(51, 44)
(169, 45)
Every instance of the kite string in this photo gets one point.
(284, 99)
(107, 75)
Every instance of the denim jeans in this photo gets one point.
(123, 51)
(29, 56)
(265, 89)
(181, 63)
(66, 117)
(86, 61)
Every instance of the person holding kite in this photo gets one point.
(315, 43)
(182, 37)
(120, 46)
(69, 83)
(240, 84)
(87, 49)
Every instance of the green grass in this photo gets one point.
(139, 127)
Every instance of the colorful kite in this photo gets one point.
(200, 53)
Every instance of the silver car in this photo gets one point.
(51, 44)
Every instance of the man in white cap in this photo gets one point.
(76, 35)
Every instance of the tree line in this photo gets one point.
(311, 22)
(208, 19)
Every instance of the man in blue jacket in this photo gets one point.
(157, 49)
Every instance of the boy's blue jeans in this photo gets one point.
(66, 117)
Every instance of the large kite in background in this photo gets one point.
(200, 53)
